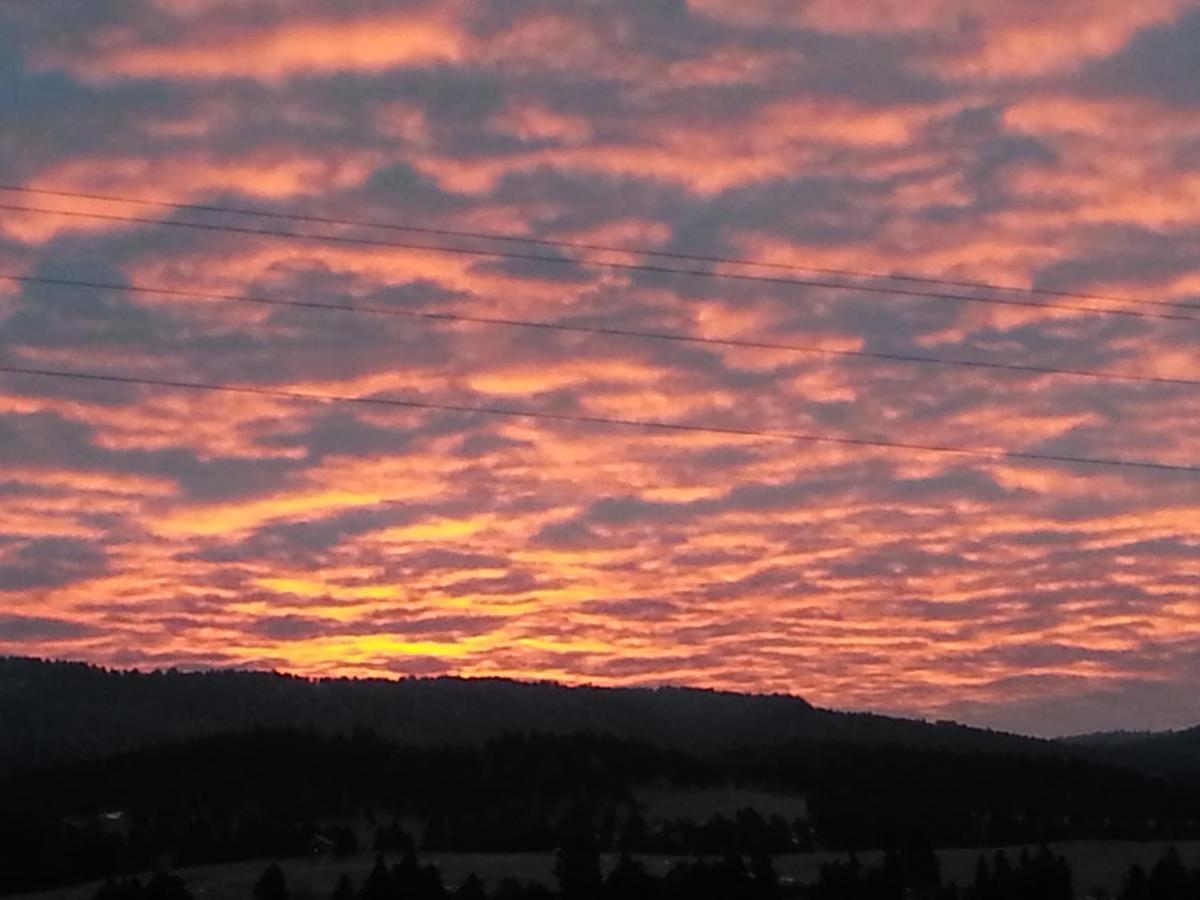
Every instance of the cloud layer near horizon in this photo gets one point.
(1020, 143)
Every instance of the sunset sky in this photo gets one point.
(1011, 142)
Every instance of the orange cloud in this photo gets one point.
(953, 141)
(281, 50)
(1028, 39)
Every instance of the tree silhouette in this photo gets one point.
(629, 880)
(766, 879)
(632, 837)
(271, 885)
(378, 885)
(1136, 886)
(1169, 879)
(577, 871)
(471, 889)
(165, 886)
(112, 889)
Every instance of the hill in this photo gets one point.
(106, 772)
(1173, 755)
(61, 712)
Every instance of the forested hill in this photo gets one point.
(59, 712)
(1168, 754)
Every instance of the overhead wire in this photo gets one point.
(578, 418)
(598, 330)
(603, 331)
(589, 246)
(612, 265)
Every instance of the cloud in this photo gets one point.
(20, 630)
(1048, 147)
(1158, 63)
(50, 562)
(214, 48)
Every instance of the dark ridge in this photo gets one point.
(57, 712)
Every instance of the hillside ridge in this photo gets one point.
(68, 711)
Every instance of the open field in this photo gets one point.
(1097, 865)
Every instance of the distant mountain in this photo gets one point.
(1111, 738)
(55, 712)
(1168, 754)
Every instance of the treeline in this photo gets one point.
(1041, 876)
(613, 827)
(913, 874)
(871, 797)
(286, 793)
(73, 711)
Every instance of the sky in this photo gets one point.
(1053, 146)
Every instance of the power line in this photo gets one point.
(620, 266)
(605, 331)
(506, 412)
(582, 245)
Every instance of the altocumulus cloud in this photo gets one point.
(1049, 147)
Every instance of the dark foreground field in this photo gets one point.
(1098, 867)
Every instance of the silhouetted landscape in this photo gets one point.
(606, 450)
(677, 793)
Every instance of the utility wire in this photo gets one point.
(507, 412)
(604, 331)
(582, 245)
(620, 266)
